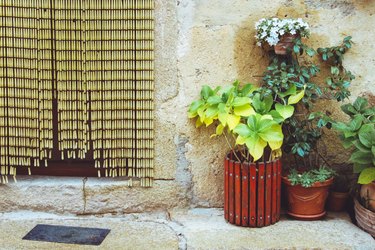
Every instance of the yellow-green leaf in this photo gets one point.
(285, 111)
(233, 121)
(219, 129)
(240, 140)
(244, 110)
(198, 123)
(201, 114)
(208, 121)
(223, 117)
(293, 99)
(256, 147)
(192, 114)
(274, 145)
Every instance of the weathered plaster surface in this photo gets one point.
(201, 42)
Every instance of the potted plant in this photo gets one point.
(307, 192)
(359, 135)
(280, 33)
(339, 193)
(303, 131)
(251, 124)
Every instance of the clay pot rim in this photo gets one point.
(316, 184)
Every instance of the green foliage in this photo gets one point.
(248, 113)
(339, 80)
(287, 76)
(358, 134)
(308, 178)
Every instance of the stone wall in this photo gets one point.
(201, 42)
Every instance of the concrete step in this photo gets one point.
(189, 229)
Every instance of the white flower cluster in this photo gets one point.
(271, 29)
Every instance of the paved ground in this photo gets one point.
(192, 229)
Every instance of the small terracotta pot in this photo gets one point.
(307, 203)
(368, 194)
(285, 44)
(337, 201)
(365, 218)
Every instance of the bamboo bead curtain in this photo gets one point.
(93, 61)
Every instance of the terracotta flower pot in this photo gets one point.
(337, 201)
(285, 44)
(365, 218)
(307, 203)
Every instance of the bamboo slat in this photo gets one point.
(92, 61)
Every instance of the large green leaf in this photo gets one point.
(247, 89)
(194, 106)
(340, 126)
(360, 103)
(214, 100)
(262, 106)
(256, 146)
(276, 116)
(273, 133)
(245, 110)
(206, 92)
(367, 176)
(349, 109)
(360, 146)
(361, 157)
(240, 101)
(367, 135)
(285, 111)
(212, 111)
(356, 123)
(243, 130)
(264, 123)
(252, 122)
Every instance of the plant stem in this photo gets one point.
(230, 146)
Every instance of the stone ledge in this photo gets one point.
(190, 229)
(207, 229)
(67, 195)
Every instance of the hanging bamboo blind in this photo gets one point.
(93, 61)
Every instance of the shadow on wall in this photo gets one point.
(250, 59)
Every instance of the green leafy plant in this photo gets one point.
(359, 135)
(339, 80)
(308, 178)
(297, 72)
(244, 113)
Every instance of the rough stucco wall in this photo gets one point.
(202, 42)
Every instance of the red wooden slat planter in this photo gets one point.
(251, 192)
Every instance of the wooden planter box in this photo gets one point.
(251, 192)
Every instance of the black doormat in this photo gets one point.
(66, 234)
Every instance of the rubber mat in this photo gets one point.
(67, 234)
